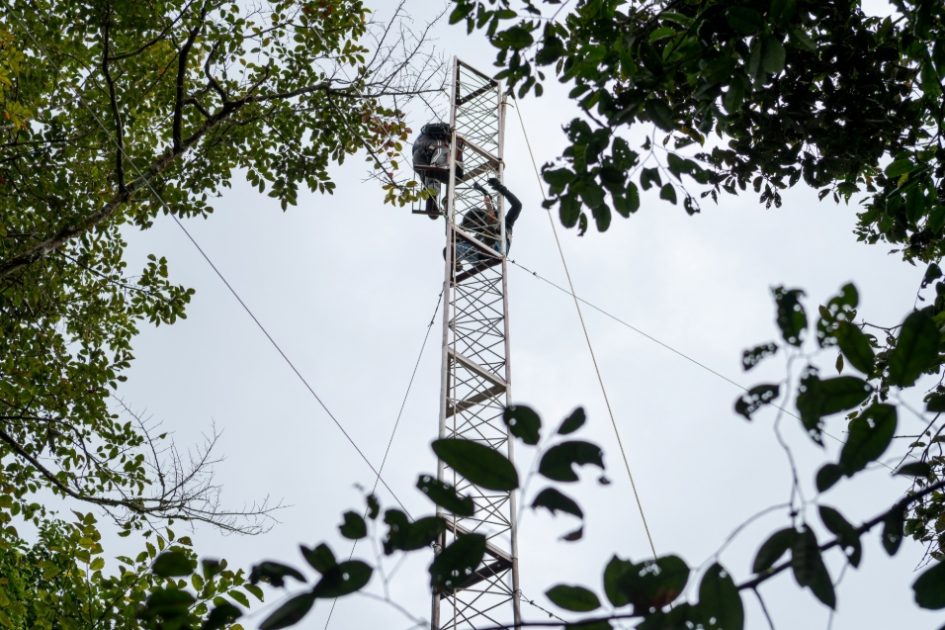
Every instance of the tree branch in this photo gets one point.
(113, 103)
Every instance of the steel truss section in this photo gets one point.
(475, 385)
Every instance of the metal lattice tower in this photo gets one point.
(475, 386)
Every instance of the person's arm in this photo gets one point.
(515, 206)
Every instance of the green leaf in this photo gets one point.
(173, 563)
(719, 599)
(893, 524)
(898, 168)
(773, 548)
(221, 617)
(345, 578)
(404, 535)
(916, 349)
(809, 569)
(818, 398)
(649, 177)
(614, 576)
(915, 469)
(929, 588)
(827, 476)
(755, 398)
(480, 464)
(289, 613)
(791, 318)
(660, 113)
(653, 584)
(274, 573)
(773, 56)
(754, 356)
(452, 566)
(573, 598)
(856, 346)
(668, 193)
(745, 21)
(523, 422)
(320, 558)
(353, 527)
(558, 461)
(555, 501)
(446, 496)
(845, 533)
(573, 422)
(868, 437)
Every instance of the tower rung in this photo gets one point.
(484, 572)
(466, 403)
(471, 237)
(462, 100)
(475, 269)
(472, 367)
(469, 144)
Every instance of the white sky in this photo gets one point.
(347, 286)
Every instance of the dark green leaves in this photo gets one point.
(719, 599)
(558, 461)
(274, 573)
(856, 346)
(289, 613)
(660, 113)
(827, 476)
(809, 569)
(343, 579)
(915, 469)
(929, 588)
(221, 616)
(755, 398)
(916, 349)
(791, 318)
(819, 398)
(846, 534)
(456, 563)
(573, 422)
(573, 598)
(646, 585)
(445, 496)
(754, 356)
(523, 423)
(893, 525)
(353, 527)
(404, 535)
(868, 438)
(478, 463)
(555, 501)
(772, 549)
(173, 563)
(320, 558)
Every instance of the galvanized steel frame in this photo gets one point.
(476, 375)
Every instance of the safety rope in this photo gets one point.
(587, 338)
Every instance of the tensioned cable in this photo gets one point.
(390, 441)
(233, 291)
(587, 338)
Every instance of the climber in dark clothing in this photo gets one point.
(431, 161)
(483, 222)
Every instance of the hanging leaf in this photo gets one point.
(818, 398)
(827, 476)
(558, 461)
(869, 435)
(614, 574)
(755, 398)
(809, 569)
(345, 578)
(646, 585)
(773, 55)
(404, 535)
(929, 588)
(445, 496)
(483, 466)
(221, 616)
(915, 469)
(856, 346)
(523, 423)
(353, 527)
(289, 613)
(452, 566)
(173, 563)
(719, 599)
(791, 318)
(893, 525)
(845, 532)
(772, 549)
(320, 558)
(555, 501)
(573, 598)
(573, 422)
(274, 573)
(916, 349)
(754, 356)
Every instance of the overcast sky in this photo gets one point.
(348, 285)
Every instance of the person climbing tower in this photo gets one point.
(431, 162)
(483, 222)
